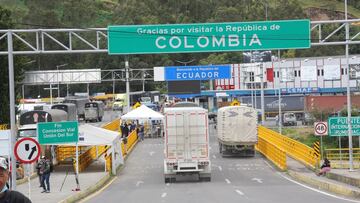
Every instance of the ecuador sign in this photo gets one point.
(174, 73)
(208, 37)
(58, 132)
(338, 126)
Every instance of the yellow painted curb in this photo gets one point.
(338, 189)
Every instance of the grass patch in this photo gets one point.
(306, 136)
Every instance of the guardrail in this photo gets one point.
(272, 152)
(342, 154)
(85, 159)
(65, 152)
(4, 126)
(293, 148)
(113, 126)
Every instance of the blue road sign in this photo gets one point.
(209, 72)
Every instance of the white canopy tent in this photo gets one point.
(93, 136)
(143, 112)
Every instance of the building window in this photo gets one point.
(299, 73)
(278, 74)
(342, 71)
(318, 72)
(295, 73)
(322, 72)
(252, 78)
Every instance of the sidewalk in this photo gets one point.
(90, 177)
(339, 181)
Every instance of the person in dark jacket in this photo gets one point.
(38, 167)
(6, 195)
(45, 171)
(125, 131)
(325, 167)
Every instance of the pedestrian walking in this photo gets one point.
(45, 171)
(38, 167)
(7, 195)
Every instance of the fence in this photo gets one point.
(342, 154)
(293, 148)
(272, 152)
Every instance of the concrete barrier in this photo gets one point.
(332, 187)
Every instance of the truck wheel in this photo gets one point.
(220, 148)
(167, 180)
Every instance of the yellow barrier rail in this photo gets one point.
(293, 148)
(113, 126)
(65, 152)
(343, 154)
(85, 159)
(272, 152)
(4, 126)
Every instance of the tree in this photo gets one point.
(6, 23)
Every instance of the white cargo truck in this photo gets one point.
(186, 143)
(237, 130)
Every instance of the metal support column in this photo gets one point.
(279, 116)
(262, 93)
(12, 106)
(127, 82)
(348, 92)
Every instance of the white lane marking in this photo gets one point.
(214, 156)
(227, 181)
(163, 195)
(138, 183)
(97, 192)
(151, 153)
(257, 179)
(239, 192)
(316, 190)
(310, 188)
(220, 168)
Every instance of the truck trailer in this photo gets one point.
(237, 130)
(186, 143)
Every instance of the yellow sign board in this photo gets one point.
(136, 105)
(235, 103)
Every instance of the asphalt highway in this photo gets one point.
(251, 180)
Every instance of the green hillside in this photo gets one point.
(332, 5)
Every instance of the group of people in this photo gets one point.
(126, 129)
(43, 170)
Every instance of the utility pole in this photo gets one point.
(57, 77)
(127, 82)
(262, 93)
(12, 107)
(351, 167)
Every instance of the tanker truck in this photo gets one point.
(237, 130)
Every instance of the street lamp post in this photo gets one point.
(262, 93)
(57, 77)
(351, 168)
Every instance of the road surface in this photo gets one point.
(233, 180)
